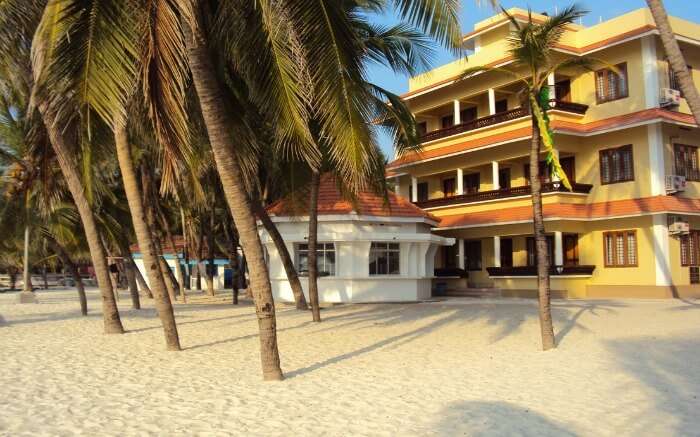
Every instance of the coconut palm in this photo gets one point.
(675, 57)
(534, 60)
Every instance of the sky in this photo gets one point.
(472, 13)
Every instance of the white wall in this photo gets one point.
(352, 238)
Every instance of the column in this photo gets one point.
(460, 250)
(460, 181)
(397, 186)
(558, 249)
(457, 116)
(650, 65)
(657, 165)
(662, 257)
(494, 174)
(414, 189)
(552, 88)
(492, 101)
(497, 251)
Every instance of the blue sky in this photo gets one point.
(472, 13)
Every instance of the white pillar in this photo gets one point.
(650, 65)
(397, 186)
(558, 249)
(662, 256)
(414, 189)
(496, 251)
(552, 88)
(457, 117)
(460, 181)
(495, 176)
(657, 166)
(460, 250)
(492, 101)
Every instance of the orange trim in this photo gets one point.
(558, 125)
(610, 209)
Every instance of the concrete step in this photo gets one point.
(474, 292)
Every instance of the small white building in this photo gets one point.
(367, 251)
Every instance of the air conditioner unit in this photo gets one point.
(675, 183)
(679, 228)
(669, 97)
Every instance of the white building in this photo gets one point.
(367, 251)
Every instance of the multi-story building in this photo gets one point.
(631, 224)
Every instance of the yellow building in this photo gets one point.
(631, 225)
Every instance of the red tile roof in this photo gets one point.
(332, 202)
(612, 209)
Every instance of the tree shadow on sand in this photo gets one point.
(451, 318)
(670, 371)
(484, 418)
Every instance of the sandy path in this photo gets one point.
(469, 367)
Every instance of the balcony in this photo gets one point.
(503, 193)
(525, 271)
(501, 117)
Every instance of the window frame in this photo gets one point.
(321, 252)
(471, 177)
(622, 66)
(611, 150)
(694, 152)
(386, 250)
(688, 259)
(626, 234)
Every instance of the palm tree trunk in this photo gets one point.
(313, 236)
(144, 238)
(26, 288)
(130, 270)
(210, 254)
(200, 255)
(178, 267)
(540, 242)
(285, 257)
(222, 143)
(73, 269)
(675, 57)
(143, 285)
(186, 253)
(67, 163)
(232, 241)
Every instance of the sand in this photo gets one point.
(461, 367)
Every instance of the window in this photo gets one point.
(422, 128)
(471, 183)
(616, 165)
(325, 259)
(610, 85)
(468, 114)
(504, 177)
(570, 250)
(501, 106)
(673, 81)
(472, 250)
(532, 250)
(562, 90)
(448, 187)
(686, 158)
(620, 248)
(447, 121)
(422, 191)
(384, 259)
(690, 249)
(506, 252)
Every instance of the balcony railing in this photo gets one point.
(503, 193)
(501, 117)
(532, 271)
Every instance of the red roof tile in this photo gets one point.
(332, 202)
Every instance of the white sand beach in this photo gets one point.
(462, 367)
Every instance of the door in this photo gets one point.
(468, 114)
(504, 177)
(570, 249)
(563, 90)
(506, 252)
(471, 183)
(448, 187)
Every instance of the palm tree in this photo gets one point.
(675, 57)
(534, 61)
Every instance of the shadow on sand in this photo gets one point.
(485, 418)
